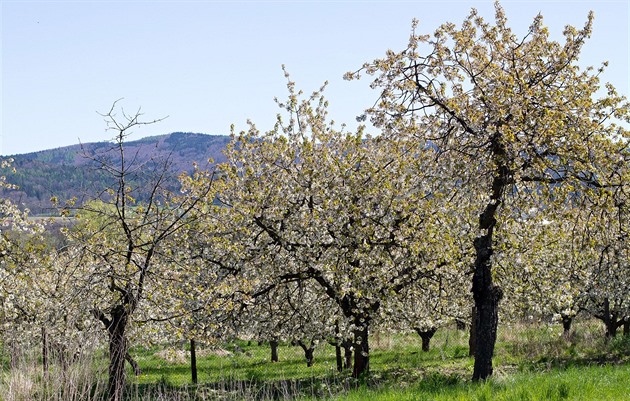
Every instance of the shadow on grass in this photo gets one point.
(251, 390)
(617, 352)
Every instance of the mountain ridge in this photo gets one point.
(70, 171)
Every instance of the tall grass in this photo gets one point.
(82, 379)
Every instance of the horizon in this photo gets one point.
(132, 140)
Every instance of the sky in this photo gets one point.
(208, 64)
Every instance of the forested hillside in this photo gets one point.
(70, 172)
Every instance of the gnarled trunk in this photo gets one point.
(344, 361)
(611, 329)
(118, 348)
(487, 321)
(338, 348)
(486, 296)
(485, 293)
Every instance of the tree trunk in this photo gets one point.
(426, 336)
(346, 344)
(118, 347)
(338, 358)
(611, 329)
(487, 320)
(45, 350)
(472, 339)
(487, 295)
(308, 352)
(274, 350)
(347, 353)
(193, 361)
(14, 354)
(626, 326)
(566, 325)
(610, 320)
(134, 364)
(606, 319)
(361, 350)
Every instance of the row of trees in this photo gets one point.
(495, 169)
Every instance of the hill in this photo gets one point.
(69, 172)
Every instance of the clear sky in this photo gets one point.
(208, 64)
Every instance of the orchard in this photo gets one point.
(490, 186)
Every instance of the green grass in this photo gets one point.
(249, 361)
(531, 363)
(597, 383)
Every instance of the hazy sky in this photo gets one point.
(208, 64)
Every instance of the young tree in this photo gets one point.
(516, 120)
(123, 240)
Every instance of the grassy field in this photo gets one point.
(575, 383)
(531, 363)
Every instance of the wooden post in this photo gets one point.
(193, 361)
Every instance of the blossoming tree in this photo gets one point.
(517, 119)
